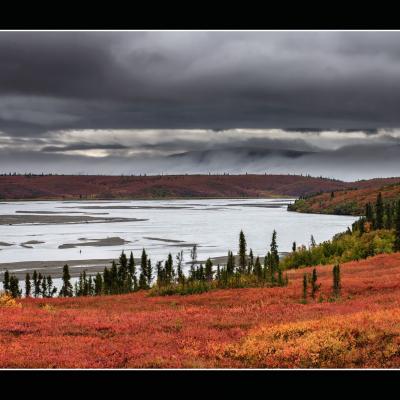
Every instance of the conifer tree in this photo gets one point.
(98, 284)
(294, 247)
(336, 280)
(251, 262)
(169, 270)
(27, 285)
(208, 270)
(193, 255)
(379, 212)
(66, 289)
(6, 280)
(230, 264)
(36, 284)
(388, 213)
(132, 270)
(113, 278)
(51, 291)
(14, 289)
(314, 285)
(369, 216)
(149, 273)
(43, 285)
(274, 253)
(181, 276)
(258, 268)
(242, 252)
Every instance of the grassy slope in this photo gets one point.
(350, 202)
(226, 328)
(178, 186)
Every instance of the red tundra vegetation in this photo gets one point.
(257, 327)
(169, 186)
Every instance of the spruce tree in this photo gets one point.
(51, 291)
(251, 262)
(43, 285)
(294, 247)
(36, 285)
(149, 273)
(242, 252)
(369, 215)
(208, 270)
(314, 285)
(336, 280)
(98, 284)
(6, 280)
(230, 264)
(132, 270)
(274, 253)
(379, 212)
(14, 289)
(27, 285)
(258, 268)
(66, 289)
(181, 276)
(388, 213)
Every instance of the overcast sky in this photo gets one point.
(325, 103)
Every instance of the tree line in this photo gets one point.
(167, 277)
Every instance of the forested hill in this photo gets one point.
(347, 202)
(70, 187)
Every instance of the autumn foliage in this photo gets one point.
(169, 186)
(249, 327)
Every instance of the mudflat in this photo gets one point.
(60, 219)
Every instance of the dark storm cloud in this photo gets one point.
(201, 79)
(82, 146)
(120, 96)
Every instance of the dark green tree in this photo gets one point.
(179, 259)
(209, 270)
(388, 214)
(294, 246)
(132, 271)
(6, 280)
(242, 252)
(36, 286)
(27, 285)
(66, 289)
(98, 284)
(14, 287)
(230, 264)
(314, 285)
(251, 262)
(369, 214)
(274, 253)
(336, 280)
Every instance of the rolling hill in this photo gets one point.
(68, 187)
(346, 202)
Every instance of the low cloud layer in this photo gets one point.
(131, 102)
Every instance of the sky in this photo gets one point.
(311, 102)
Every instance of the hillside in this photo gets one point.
(346, 202)
(260, 327)
(70, 187)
